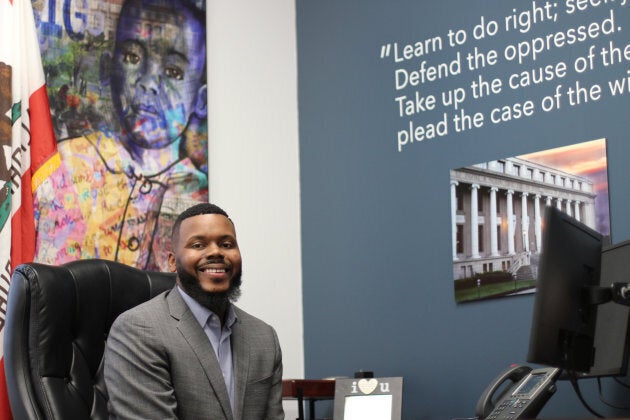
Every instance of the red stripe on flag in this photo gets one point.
(43, 143)
(23, 228)
(5, 408)
(43, 146)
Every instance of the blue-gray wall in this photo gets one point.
(376, 226)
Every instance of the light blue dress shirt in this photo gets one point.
(219, 337)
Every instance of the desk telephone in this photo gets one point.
(518, 392)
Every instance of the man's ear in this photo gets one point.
(201, 105)
(105, 68)
(172, 267)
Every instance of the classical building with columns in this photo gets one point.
(497, 209)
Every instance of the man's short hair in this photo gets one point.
(196, 210)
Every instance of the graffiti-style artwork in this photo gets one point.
(127, 86)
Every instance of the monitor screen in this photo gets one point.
(563, 324)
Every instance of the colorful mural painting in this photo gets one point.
(127, 87)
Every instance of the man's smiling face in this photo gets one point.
(206, 254)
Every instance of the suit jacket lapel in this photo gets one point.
(200, 345)
(240, 360)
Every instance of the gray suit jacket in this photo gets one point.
(159, 364)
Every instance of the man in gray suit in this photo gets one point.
(189, 353)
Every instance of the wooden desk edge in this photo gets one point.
(311, 388)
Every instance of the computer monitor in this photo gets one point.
(570, 329)
(613, 319)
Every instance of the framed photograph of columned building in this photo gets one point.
(497, 209)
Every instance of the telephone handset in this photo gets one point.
(517, 392)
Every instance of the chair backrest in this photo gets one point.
(57, 322)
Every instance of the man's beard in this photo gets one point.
(217, 302)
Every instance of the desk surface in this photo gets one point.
(309, 388)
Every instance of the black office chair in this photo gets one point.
(58, 318)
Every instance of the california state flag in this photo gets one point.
(27, 148)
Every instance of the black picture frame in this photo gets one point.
(368, 398)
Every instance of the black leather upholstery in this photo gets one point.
(58, 318)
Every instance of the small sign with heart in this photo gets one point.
(368, 398)
(367, 386)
